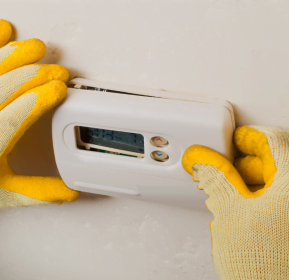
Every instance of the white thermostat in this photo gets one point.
(128, 142)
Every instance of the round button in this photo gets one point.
(159, 156)
(159, 141)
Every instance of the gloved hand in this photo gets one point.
(250, 229)
(27, 91)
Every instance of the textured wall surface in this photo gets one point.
(234, 50)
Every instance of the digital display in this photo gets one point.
(126, 141)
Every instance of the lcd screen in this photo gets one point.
(126, 141)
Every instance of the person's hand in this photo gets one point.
(250, 230)
(27, 91)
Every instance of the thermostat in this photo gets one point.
(128, 142)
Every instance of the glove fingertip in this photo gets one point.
(54, 72)
(5, 31)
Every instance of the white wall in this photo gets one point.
(234, 50)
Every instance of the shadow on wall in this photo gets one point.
(33, 153)
(89, 197)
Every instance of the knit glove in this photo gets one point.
(27, 91)
(250, 229)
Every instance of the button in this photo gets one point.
(159, 156)
(159, 141)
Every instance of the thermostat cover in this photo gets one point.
(128, 142)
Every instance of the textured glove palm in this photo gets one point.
(27, 91)
(250, 230)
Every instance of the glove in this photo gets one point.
(27, 91)
(250, 229)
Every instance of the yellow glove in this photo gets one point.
(26, 93)
(250, 230)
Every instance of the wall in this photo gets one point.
(234, 50)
